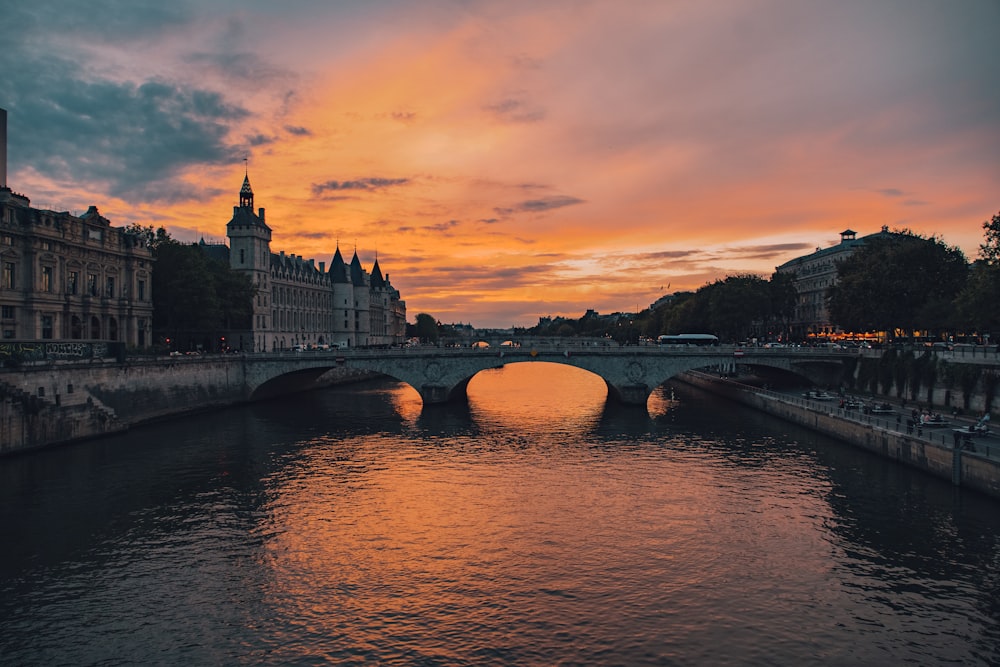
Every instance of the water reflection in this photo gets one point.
(537, 524)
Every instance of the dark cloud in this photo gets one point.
(240, 66)
(539, 205)
(890, 192)
(443, 226)
(404, 116)
(359, 184)
(514, 110)
(132, 139)
(773, 251)
(260, 140)
(121, 135)
(298, 131)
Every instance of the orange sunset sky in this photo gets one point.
(509, 160)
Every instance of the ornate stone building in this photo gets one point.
(300, 302)
(67, 277)
(814, 275)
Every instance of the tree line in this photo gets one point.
(898, 283)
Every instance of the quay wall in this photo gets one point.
(929, 451)
(59, 402)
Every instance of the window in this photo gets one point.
(46, 278)
(7, 312)
(8, 333)
(109, 287)
(47, 327)
(242, 256)
(8, 275)
(142, 290)
(92, 284)
(71, 283)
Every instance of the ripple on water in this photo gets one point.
(539, 526)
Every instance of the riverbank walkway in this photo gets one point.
(893, 414)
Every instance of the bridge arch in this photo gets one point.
(442, 375)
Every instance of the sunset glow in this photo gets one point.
(511, 160)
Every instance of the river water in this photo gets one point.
(536, 526)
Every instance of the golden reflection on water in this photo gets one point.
(537, 394)
(422, 549)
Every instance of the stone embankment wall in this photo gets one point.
(54, 403)
(925, 452)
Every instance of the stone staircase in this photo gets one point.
(28, 421)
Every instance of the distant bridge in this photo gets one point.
(631, 373)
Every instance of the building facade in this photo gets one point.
(302, 302)
(65, 277)
(814, 275)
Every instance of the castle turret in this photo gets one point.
(250, 253)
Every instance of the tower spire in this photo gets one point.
(246, 193)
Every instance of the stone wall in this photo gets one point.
(56, 402)
(962, 468)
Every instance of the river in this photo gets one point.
(535, 526)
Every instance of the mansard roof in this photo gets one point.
(93, 215)
(295, 265)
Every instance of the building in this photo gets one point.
(65, 277)
(814, 275)
(300, 301)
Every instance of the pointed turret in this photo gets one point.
(377, 280)
(338, 268)
(357, 273)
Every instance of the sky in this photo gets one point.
(509, 160)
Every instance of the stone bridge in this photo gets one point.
(53, 400)
(631, 373)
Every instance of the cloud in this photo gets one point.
(114, 130)
(539, 205)
(242, 66)
(298, 131)
(515, 110)
(365, 184)
(404, 116)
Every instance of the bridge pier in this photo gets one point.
(630, 394)
(431, 394)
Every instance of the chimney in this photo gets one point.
(3, 148)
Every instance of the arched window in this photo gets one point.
(95, 328)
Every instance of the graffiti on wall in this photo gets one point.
(21, 351)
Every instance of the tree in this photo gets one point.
(783, 299)
(194, 295)
(977, 303)
(427, 328)
(736, 303)
(990, 249)
(898, 282)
